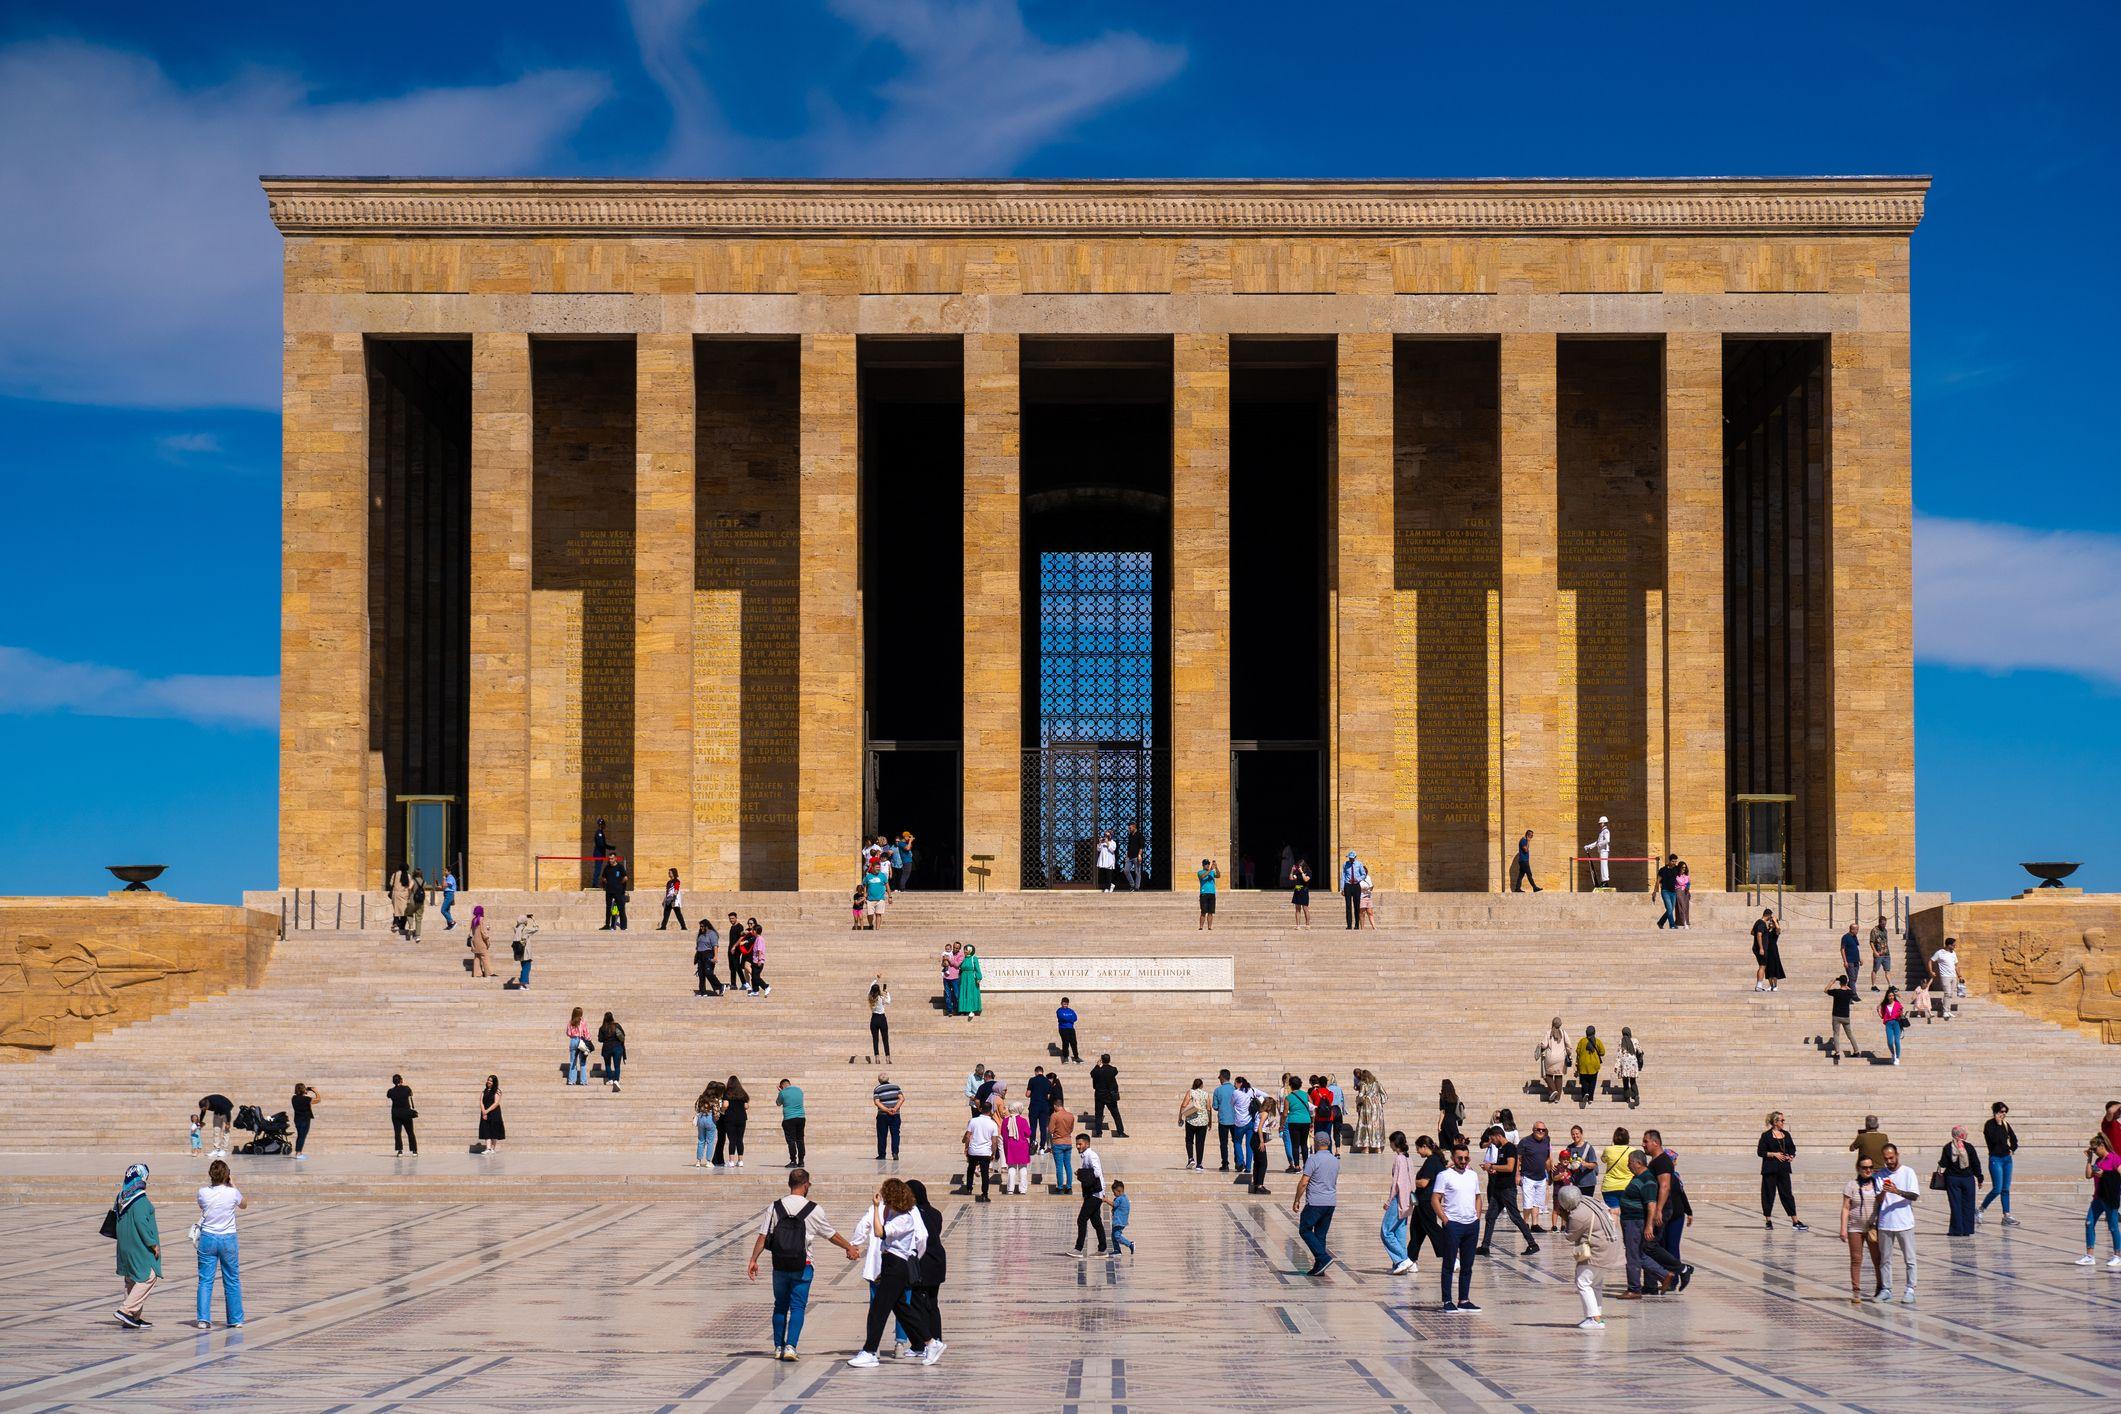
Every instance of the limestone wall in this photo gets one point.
(2052, 953)
(71, 968)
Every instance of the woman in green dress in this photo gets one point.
(968, 997)
(139, 1246)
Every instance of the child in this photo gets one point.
(195, 1144)
(861, 897)
(1122, 1210)
(1366, 918)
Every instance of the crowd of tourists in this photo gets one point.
(745, 945)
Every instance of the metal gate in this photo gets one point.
(1073, 792)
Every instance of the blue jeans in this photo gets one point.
(2091, 1224)
(614, 1061)
(448, 901)
(950, 996)
(1671, 907)
(705, 1127)
(1892, 1043)
(1288, 1143)
(1120, 1238)
(1241, 1140)
(1456, 1243)
(523, 978)
(218, 1250)
(1063, 1167)
(1312, 1227)
(1999, 1180)
(791, 1298)
(1394, 1231)
(577, 1065)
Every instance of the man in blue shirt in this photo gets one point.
(1352, 873)
(1852, 953)
(1065, 1015)
(1225, 1098)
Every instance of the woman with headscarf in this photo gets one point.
(480, 941)
(1552, 1057)
(1961, 1167)
(969, 1001)
(1630, 1068)
(933, 1266)
(1369, 1112)
(139, 1246)
(1016, 1151)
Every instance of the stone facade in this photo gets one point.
(1524, 543)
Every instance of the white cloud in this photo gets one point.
(2000, 597)
(32, 683)
(978, 91)
(137, 265)
(179, 445)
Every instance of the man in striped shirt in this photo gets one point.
(889, 1100)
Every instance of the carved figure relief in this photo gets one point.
(2081, 980)
(43, 981)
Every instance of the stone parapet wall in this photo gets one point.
(2052, 953)
(72, 968)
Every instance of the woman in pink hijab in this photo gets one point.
(1016, 1151)
(479, 942)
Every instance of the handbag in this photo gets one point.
(110, 1222)
(1937, 1179)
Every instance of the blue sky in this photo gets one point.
(139, 335)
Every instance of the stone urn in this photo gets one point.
(2051, 873)
(135, 877)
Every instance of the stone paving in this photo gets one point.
(367, 1306)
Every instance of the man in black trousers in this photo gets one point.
(1104, 1089)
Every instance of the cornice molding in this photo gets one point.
(303, 206)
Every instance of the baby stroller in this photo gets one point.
(271, 1134)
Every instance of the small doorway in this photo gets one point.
(1278, 800)
(428, 836)
(914, 785)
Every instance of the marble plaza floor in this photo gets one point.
(368, 1306)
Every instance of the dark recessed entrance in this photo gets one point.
(1281, 411)
(913, 587)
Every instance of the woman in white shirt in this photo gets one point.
(218, 1204)
(879, 1024)
(893, 1238)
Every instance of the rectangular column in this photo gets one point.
(497, 853)
(1200, 606)
(828, 615)
(1871, 571)
(1531, 674)
(1366, 644)
(324, 667)
(992, 764)
(1698, 812)
(663, 541)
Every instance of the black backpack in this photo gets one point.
(790, 1242)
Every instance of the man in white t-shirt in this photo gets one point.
(792, 1268)
(1898, 1191)
(1456, 1196)
(1944, 971)
(981, 1137)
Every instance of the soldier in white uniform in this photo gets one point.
(1604, 846)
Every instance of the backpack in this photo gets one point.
(790, 1242)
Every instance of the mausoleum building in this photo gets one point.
(755, 518)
